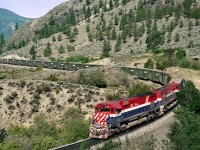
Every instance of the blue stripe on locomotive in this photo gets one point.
(115, 121)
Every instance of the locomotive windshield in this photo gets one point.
(102, 109)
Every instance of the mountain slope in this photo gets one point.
(100, 28)
(8, 20)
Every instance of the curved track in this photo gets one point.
(141, 73)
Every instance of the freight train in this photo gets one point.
(117, 115)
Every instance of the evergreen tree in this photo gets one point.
(87, 2)
(149, 64)
(100, 3)
(71, 36)
(16, 26)
(87, 28)
(53, 39)
(197, 22)
(32, 52)
(108, 33)
(47, 51)
(124, 35)
(72, 18)
(114, 34)
(75, 30)
(100, 35)
(88, 13)
(59, 37)
(190, 25)
(116, 20)
(118, 44)
(104, 25)
(84, 9)
(181, 24)
(177, 37)
(61, 49)
(2, 40)
(51, 21)
(124, 2)
(169, 37)
(116, 3)
(96, 10)
(106, 49)
(90, 37)
(111, 4)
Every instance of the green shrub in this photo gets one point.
(157, 51)
(2, 75)
(52, 78)
(181, 54)
(94, 78)
(70, 48)
(161, 65)
(185, 63)
(38, 68)
(81, 59)
(149, 64)
(139, 88)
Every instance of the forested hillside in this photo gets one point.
(102, 28)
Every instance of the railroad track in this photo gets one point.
(92, 142)
(141, 73)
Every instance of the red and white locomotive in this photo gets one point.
(117, 115)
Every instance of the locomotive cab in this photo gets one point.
(100, 120)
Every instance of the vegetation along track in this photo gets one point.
(145, 74)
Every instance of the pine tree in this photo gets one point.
(90, 37)
(100, 35)
(87, 2)
(2, 40)
(72, 36)
(105, 6)
(61, 49)
(84, 9)
(181, 24)
(116, 3)
(197, 22)
(32, 52)
(53, 39)
(106, 49)
(177, 37)
(87, 28)
(47, 51)
(75, 30)
(116, 20)
(16, 26)
(96, 10)
(114, 34)
(59, 37)
(51, 21)
(100, 3)
(111, 4)
(72, 18)
(88, 13)
(124, 2)
(118, 44)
